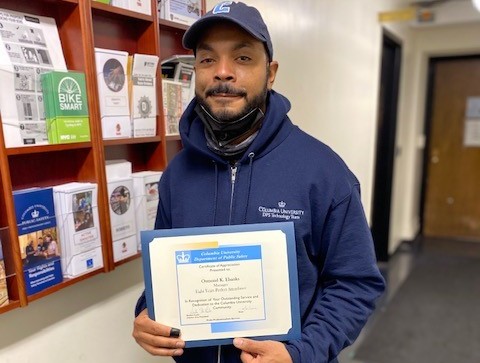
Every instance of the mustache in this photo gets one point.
(225, 89)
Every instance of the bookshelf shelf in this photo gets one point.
(47, 148)
(132, 140)
(57, 9)
(12, 304)
(114, 11)
(172, 137)
(64, 284)
(129, 259)
(167, 24)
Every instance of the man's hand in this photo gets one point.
(262, 351)
(156, 338)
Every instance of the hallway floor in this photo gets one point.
(397, 269)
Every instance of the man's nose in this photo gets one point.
(225, 70)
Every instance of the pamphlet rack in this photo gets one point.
(84, 25)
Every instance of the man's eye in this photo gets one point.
(206, 60)
(244, 58)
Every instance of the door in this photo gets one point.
(452, 185)
(385, 145)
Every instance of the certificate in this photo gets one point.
(218, 283)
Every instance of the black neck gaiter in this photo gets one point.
(232, 137)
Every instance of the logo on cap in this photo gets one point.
(222, 8)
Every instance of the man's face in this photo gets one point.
(232, 72)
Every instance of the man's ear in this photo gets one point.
(272, 73)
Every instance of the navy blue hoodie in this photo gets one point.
(285, 175)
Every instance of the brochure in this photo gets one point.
(172, 105)
(29, 46)
(145, 187)
(79, 227)
(66, 107)
(144, 95)
(183, 11)
(122, 218)
(113, 93)
(38, 238)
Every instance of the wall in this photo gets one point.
(329, 54)
(333, 97)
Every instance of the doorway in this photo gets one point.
(385, 143)
(450, 203)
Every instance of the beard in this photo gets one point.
(224, 115)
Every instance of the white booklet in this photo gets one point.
(113, 92)
(183, 11)
(124, 4)
(145, 187)
(29, 46)
(122, 211)
(140, 6)
(144, 95)
(185, 74)
(79, 227)
(172, 105)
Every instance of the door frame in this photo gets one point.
(427, 128)
(390, 73)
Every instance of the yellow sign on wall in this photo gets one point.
(397, 15)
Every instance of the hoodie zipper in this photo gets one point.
(233, 177)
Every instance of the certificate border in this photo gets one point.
(286, 227)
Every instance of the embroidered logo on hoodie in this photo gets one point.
(281, 211)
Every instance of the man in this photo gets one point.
(242, 155)
(30, 253)
(41, 247)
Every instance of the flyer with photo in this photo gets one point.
(122, 218)
(38, 238)
(113, 93)
(79, 226)
(144, 95)
(183, 11)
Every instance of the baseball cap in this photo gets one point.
(245, 16)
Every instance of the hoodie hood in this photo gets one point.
(275, 122)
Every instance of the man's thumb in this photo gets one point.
(248, 345)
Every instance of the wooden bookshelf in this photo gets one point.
(82, 26)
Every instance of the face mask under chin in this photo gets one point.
(223, 137)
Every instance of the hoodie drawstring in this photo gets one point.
(215, 196)
(251, 155)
